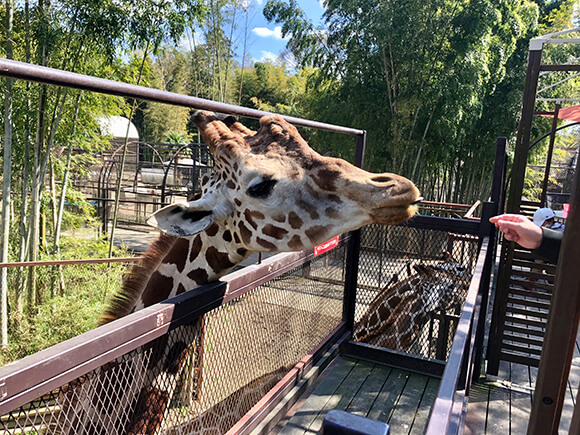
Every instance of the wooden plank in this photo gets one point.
(530, 360)
(405, 409)
(389, 395)
(344, 394)
(424, 410)
(528, 313)
(530, 294)
(526, 331)
(370, 389)
(532, 277)
(520, 407)
(518, 320)
(498, 418)
(521, 349)
(302, 419)
(529, 303)
(476, 417)
(522, 339)
(520, 398)
(548, 268)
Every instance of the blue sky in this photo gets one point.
(265, 39)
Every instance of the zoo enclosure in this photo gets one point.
(61, 379)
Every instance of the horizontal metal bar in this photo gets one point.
(464, 226)
(559, 68)
(51, 76)
(70, 262)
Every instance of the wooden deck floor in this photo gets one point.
(400, 398)
(502, 404)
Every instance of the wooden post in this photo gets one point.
(513, 206)
(561, 330)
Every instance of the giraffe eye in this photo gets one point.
(262, 189)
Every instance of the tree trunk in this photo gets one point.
(7, 177)
(23, 248)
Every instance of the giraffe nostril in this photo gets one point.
(382, 179)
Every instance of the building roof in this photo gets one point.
(116, 126)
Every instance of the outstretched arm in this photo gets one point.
(524, 232)
(519, 229)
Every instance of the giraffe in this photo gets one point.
(269, 192)
(395, 317)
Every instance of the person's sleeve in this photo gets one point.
(549, 248)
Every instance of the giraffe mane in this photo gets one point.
(123, 302)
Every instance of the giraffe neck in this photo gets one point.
(174, 265)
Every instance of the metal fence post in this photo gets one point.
(353, 251)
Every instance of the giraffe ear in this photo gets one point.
(180, 220)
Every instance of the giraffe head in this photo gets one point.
(275, 193)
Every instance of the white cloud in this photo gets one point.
(264, 32)
(268, 55)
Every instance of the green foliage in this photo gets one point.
(425, 80)
(74, 297)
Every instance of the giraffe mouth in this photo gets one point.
(395, 214)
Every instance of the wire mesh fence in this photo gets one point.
(201, 376)
(412, 283)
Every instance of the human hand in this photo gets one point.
(519, 229)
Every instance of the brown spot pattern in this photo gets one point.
(157, 289)
(199, 276)
(310, 208)
(331, 213)
(245, 233)
(252, 216)
(295, 243)
(212, 230)
(178, 255)
(326, 179)
(269, 246)
(294, 220)
(217, 260)
(316, 233)
(195, 248)
(275, 232)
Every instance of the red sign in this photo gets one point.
(566, 208)
(326, 246)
